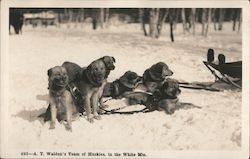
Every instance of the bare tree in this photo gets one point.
(142, 20)
(208, 20)
(171, 22)
(59, 19)
(101, 19)
(69, 14)
(214, 17)
(183, 18)
(162, 19)
(106, 17)
(221, 18)
(82, 16)
(240, 20)
(193, 10)
(153, 22)
(176, 14)
(203, 20)
(234, 17)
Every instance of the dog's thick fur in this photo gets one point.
(73, 70)
(61, 104)
(83, 76)
(168, 95)
(126, 83)
(109, 65)
(154, 77)
(163, 99)
(90, 80)
(169, 90)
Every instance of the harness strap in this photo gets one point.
(114, 111)
(57, 93)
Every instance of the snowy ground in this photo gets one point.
(217, 126)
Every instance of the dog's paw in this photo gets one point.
(52, 125)
(68, 127)
(170, 111)
(90, 119)
(98, 117)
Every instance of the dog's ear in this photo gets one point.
(104, 58)
(113, 59)
(89, 69)
(49, 72)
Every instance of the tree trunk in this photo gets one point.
(101, 17)
(77, 16)
(171, 32)
(171, 24)
(151, 19)
(221, 18)
(214, 18)
(203, 21)
(154, 17)
(234, 17)
(193, 19)
(142, 20)
(183, 18)
(208, 21)
(82, 16)
(162, 21)
(240, 19)
(59, 19)
(70, 17)
(176, 13)
(107, 17)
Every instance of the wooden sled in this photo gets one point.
(229, 73)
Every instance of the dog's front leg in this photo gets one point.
(53, 111)
(69, 107)
(87, 105)
(94, 102)
(100, 93)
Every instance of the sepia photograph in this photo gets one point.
(124, 82)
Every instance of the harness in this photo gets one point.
(149, 106)
(56, 90)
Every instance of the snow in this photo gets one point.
(217, 126)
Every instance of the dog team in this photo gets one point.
(74, 90)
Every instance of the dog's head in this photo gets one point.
(160, 70)
(109, 62)
(170, 88)
(96, 72)
(130, 79)
(58, 77)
